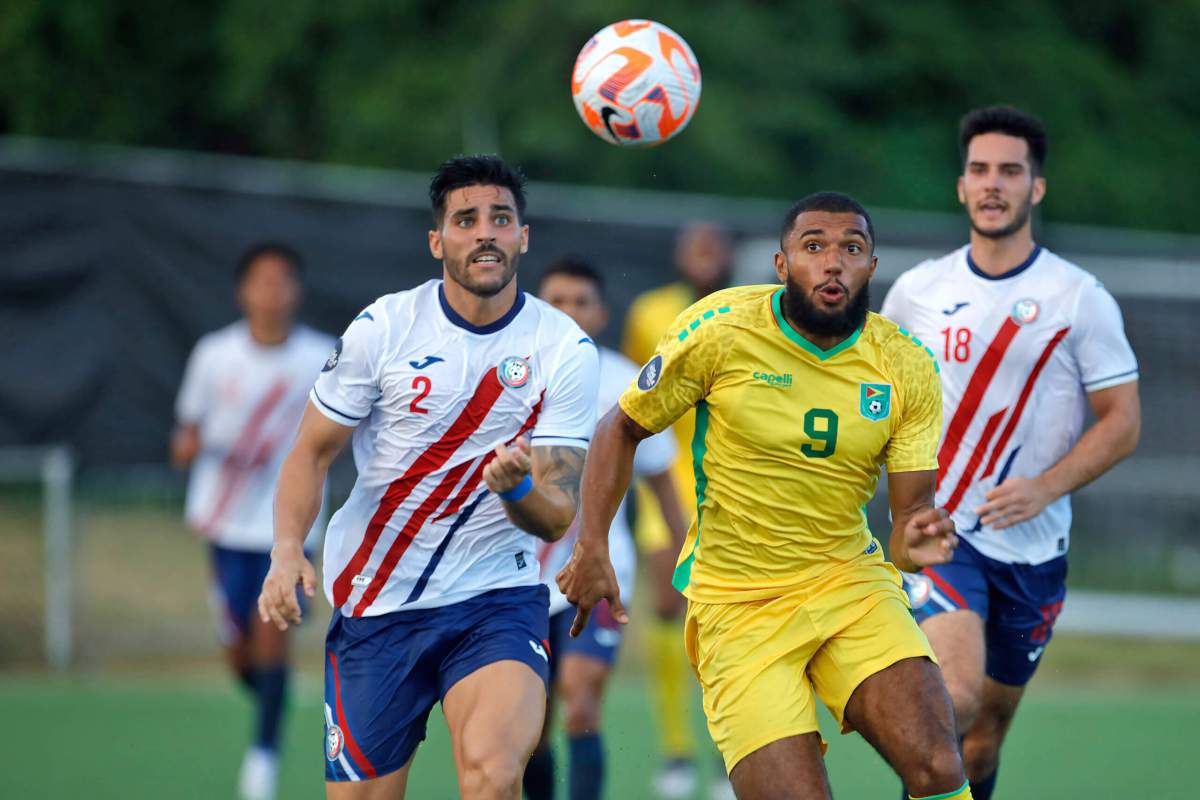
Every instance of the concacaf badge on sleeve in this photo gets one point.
(648, 377)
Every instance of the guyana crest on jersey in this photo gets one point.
(875, 400)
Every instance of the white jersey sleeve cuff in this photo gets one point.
(544, 440)
(332, 413)
(1111, 380)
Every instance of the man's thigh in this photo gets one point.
(495, 715)
(791, 768)
(904, 712)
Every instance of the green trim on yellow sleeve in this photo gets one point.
(683, 572)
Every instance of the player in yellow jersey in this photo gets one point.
(703, 257)
(801, 396)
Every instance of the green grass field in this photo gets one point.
(150, 713)
(181, 736)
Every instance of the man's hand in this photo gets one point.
(510, 466)
(1015, 500)
(930, 537)
(277, 603)
(587, 579)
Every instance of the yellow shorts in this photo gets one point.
(759, 663)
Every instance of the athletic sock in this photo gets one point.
(270, 688)
(586, 753)
(245, 677)
(670, 686)
(539, 775)
(959, 794)
(983, 789)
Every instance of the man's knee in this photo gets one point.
(582, 716)
(937, 769)
(981, 747)
(490, 773)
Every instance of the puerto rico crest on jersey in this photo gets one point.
(431, 396)
(654, 455)
(247, 401)
(1018, 352)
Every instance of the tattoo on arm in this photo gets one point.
(561, 467)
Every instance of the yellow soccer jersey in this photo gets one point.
(789, 439)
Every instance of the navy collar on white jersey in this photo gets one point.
(491, 327)
(1012, 273)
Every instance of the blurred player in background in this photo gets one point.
(471, 405)
(242, 397)
(1027, 342)
(704, 259)
(800, 395)
(580, 667)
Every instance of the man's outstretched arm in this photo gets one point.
(297, 503)
(588, 577)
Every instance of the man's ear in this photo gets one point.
(435, 244)
(781, 270)
(524, 239)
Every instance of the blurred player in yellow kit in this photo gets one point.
(801, 396)
(703, 256)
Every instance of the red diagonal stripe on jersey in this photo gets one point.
(964, 481)
(407, 534)
(973, 395)
(469, 486)
(234, 468)
(468, 421)
(946, 588)
(1022, 399)
(352, 747)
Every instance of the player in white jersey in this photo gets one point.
(471, 405)
(580, 666)
(241, 400)
(1027, 342)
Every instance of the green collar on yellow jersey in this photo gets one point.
(805, 344)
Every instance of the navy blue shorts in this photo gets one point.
(1018, 603)
(384, 674)
(237, 581)
(600, 639)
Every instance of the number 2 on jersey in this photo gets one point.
(960, 348)
(425, 386)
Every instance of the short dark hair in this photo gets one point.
(573, 266)
(259, 249)
(835, 202)
(478, 170)
(1009, 121)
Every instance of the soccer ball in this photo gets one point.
(636, 82)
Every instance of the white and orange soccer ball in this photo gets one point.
(636, 82)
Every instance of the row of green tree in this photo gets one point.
(853, 94)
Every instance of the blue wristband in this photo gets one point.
(517, 492)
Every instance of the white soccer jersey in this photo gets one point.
(247, 400)
(654, 455)
(432, 395)
(1018, 354)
